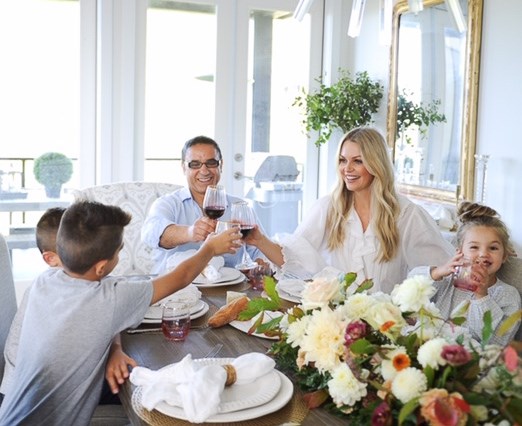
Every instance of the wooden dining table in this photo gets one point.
(153, 351)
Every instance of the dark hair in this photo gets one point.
(475, 214)
(47, 228)
(200, 140)
(90, 232)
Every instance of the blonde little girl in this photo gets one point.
(484, 239)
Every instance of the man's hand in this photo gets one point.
(201, 229)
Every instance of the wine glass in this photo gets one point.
(243, 214)
(215, 201)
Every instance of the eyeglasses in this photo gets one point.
(211, 164)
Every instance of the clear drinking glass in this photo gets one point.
(243, 214)
(215, 201)
(461, 278)
(175, 320)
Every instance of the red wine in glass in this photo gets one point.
(245, 230)
(214, 212)
(243, 214)
(215, 201)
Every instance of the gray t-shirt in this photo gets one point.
(67, 331)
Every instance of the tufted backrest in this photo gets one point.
(7, 298)
(135, 198)
(511, 273)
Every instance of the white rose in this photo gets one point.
(385, 317)
(430, 353)
(413, 293)
(320, 292)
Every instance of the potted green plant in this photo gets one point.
(52, 170)
(346, 104)
(420, 115)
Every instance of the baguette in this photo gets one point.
(228, 313)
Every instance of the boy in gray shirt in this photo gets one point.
(73, 314)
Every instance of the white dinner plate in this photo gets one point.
(238, 280)
(239, 397)
(193, 316)
(227, 275)
(281, 398)
(244, 326)
(290, 289)
(293, 287)
(155, 311)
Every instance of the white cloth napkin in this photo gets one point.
(210, 273)
(199, 386)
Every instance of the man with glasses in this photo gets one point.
(175, 222)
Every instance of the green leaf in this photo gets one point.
(509, 323)
(363, 346)
(474, 398)
(487, 329)
(270, 289)
(429, 372)
(349, 279)
(255, 306)
(458, 320)
(408, 409)
(365, 285)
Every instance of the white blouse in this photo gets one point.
(421, 244)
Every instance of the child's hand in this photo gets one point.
(448, 268)
(479, 277)
(228, 241)
(117, 368)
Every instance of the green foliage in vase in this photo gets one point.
(344, 105)
(421, 115)
(52, 169)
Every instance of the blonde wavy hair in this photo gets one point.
(474, 214)
(385, 207)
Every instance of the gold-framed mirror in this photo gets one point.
(433, 96)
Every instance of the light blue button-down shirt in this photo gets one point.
(180, 208)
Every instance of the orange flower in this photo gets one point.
(386, 326)
(401, 361)
(442, 409)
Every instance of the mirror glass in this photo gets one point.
(432, 104)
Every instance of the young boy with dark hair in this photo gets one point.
(45, 233)
(117, 370)
(73, 314)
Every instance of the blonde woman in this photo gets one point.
(363, 226)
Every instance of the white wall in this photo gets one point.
(500, 110)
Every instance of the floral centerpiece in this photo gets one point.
(385, 359)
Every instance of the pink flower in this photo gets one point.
(382, 415)
(455, 355)
(355, 330)
(510, 359)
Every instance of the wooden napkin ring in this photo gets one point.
(231, 374)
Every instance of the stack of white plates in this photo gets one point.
(228, 276)
(153, 315)
(291, 289)
(265, 395)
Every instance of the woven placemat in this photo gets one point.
(293, 412)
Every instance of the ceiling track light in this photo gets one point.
(385, 22)
(302, 9)
(354, 27)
